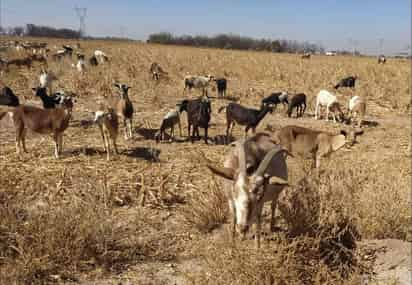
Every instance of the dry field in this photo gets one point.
(155, 215)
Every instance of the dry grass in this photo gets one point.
(83, 217)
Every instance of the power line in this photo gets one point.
(81, 14)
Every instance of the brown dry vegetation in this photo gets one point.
(154, 214)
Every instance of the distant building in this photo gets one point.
(331, 53)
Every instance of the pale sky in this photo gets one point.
(335, 24)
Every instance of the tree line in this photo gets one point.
(231, 41)
(32, 30)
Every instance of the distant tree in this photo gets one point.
(231, 41)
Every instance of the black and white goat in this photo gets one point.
(276, 98)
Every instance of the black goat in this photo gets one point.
(221, 84)
(243, 116)
(347, 82)
(297, 101)
(198, 115)
(8, 99)
(276, 98)
(49, 102)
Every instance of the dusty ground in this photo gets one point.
(171, 174)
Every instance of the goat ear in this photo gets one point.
(34, 89)
(117, 85)
(224, 172)
(343, 132)
(274, 180)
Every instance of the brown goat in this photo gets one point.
(123, 108)
(107, 121)
(42, 121)
(304, 142)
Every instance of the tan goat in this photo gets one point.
(42, 121)
(107, 121)
(304, 142)
(357, 109)
(123, 108)
(255, 172)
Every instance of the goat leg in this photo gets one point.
(131, 127)
(272, 217)
(107, 143)
(56, 145)
(206, 135)
(258, 230)
(23, 139)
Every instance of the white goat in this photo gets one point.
(327, 99)
(46, 80)
(357, 109)
(81, 65)
(101, 56)
(197, 82)
(255, 172)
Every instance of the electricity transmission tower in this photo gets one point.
(81, 14)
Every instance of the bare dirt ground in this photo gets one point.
(134, 208)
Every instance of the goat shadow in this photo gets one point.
(88, 151)
(150, 134)
(222, 140)
(146, 153)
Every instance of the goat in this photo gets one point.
(49, 102)
(93, 61)
(8, 100)
(197, 82)
(276, 98)
(156, 70)
(381, 59)
(221, 85)
(108, 123)
(357, 109)
(306, 55)
(68, 50)
(100, 56)
(297, 101)
(198, 115)
(318, 144)
(43, 121)
(169, 121)
(27, 61)
(81, 65)
(123, 108)
(347, 82)
(46, 80)
(255, 172)
(243, 116)
(329, 100)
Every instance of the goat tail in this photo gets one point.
(221, 109)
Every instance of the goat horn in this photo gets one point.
(225, 172)
(264, 164)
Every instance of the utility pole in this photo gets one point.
(1, 26)
(381, 41)
(81, 14)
